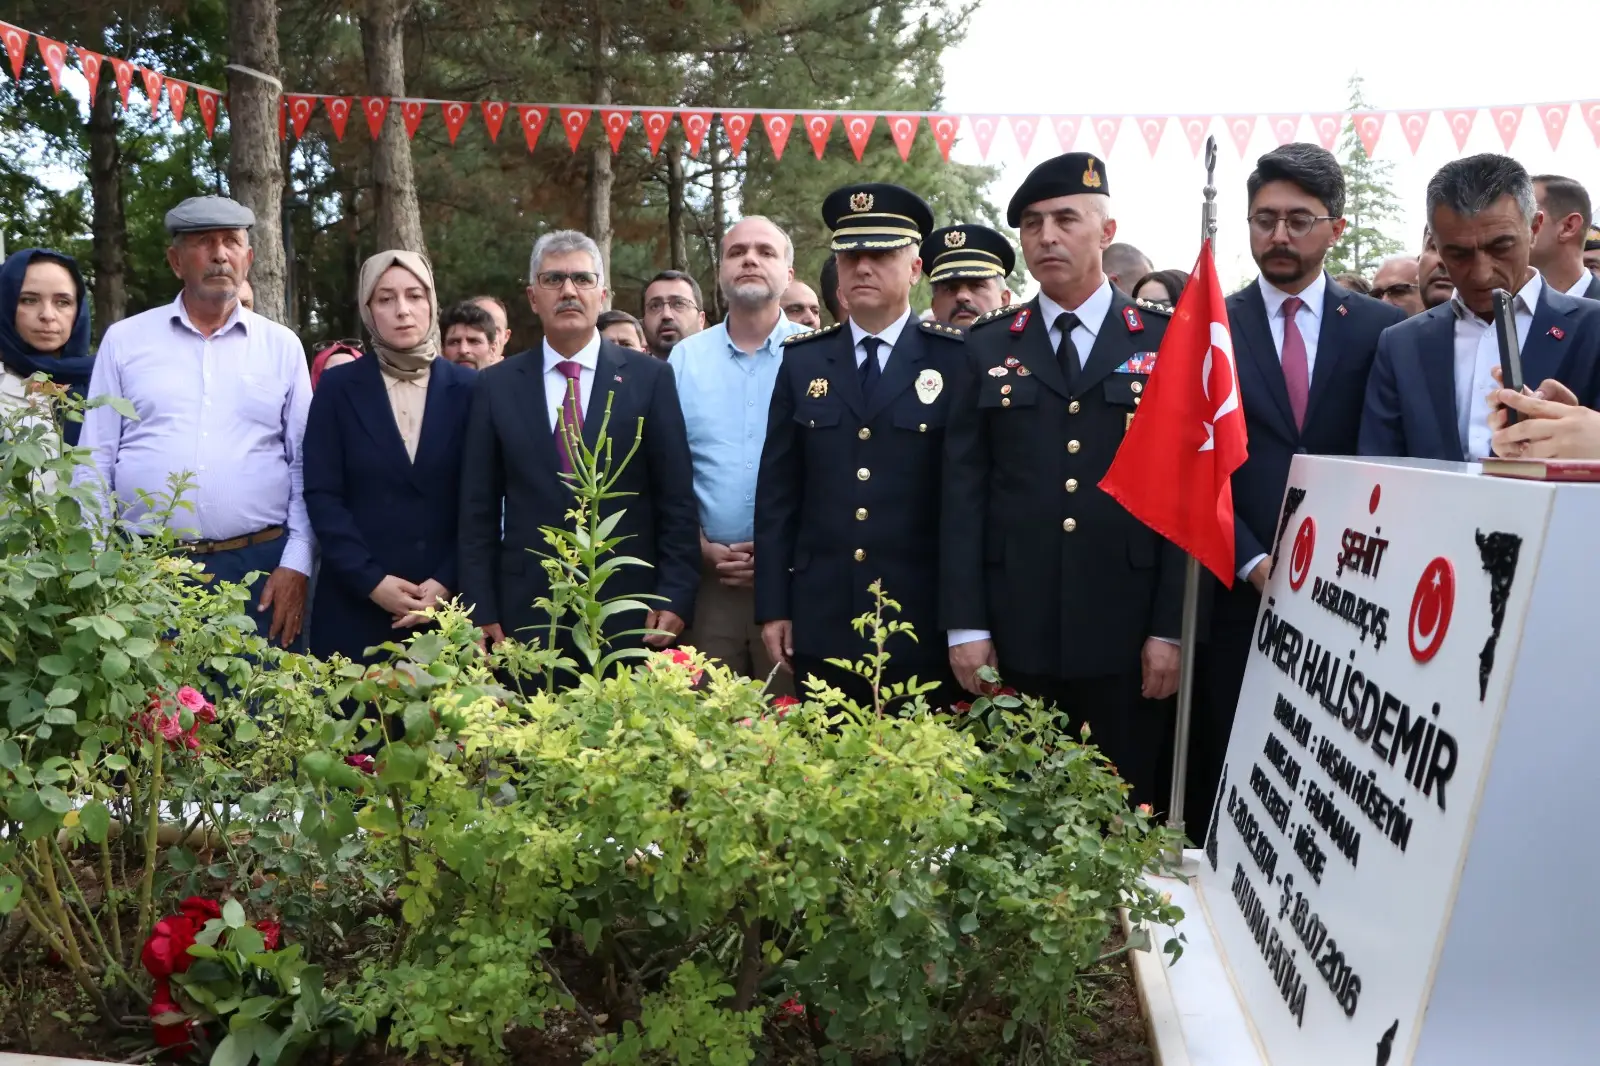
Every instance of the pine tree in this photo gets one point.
(1370, 202)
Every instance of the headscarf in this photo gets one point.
(319, 362)
(72, 364)
(406, 364)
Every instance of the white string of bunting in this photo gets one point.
(296, 110)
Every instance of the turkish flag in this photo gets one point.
(411, 112)
(778, 126)
(90, 61)
(573, 120)
(1172, 471)
(533, 119)
(54, 54)
(736, 124)
(945, 128)
(122, 71)
(152, 88)
(177, 95)
(338, 109)
(1591, 115)
(983, 127)
(16, 40)
(376, 108)
(208, 108)
(656, 124)
(818, 127)
(903, 128)
(300, 109)
(858, 128)
(455, 114)
(696, 124)
(494, 116)
(616, 124)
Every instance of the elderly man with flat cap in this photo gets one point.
(967, 267)
(848, 491)
(1045, 577)
(221, 394)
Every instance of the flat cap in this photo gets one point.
(966, 251)
(875, 217)
(1065, 175)
(1591, 243)
(199, 213)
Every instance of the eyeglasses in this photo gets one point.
(581, 279)
(677, 303)
(1401, 288)
(1298, 223)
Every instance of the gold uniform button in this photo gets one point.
(863, 474)
(1070, 524)
(1137, 387)
(861, 555)
(864, 433)
(861, 514)
(1073, 446)
(1074, 407)
(1136, 400)
(922, 427)
(1072, 484)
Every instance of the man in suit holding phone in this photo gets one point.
(1427, 397)
(1303, 344)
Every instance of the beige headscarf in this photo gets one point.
(406, 364)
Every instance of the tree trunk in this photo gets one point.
(255, 172)
(675, 235)
(601, 176)
(110, 220)
(394, 182)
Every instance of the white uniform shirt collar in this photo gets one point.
(889, 335)
(1312, 296)
(1091, 313)
(587, 356)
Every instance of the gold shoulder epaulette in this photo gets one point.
(798, 337)
(1160, 309)
(998, 312)
(939, 329)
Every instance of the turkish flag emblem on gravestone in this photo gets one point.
(1431, 606)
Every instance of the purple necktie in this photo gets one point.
(1296, 368)
(569, 424)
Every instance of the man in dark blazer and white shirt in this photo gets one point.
(1427, 398)
(515, 454)
(1302, 377)
(1558, 246)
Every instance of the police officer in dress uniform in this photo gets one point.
(849, 487)
(1044, 576)
(967, 267)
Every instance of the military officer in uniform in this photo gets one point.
(967, 267)
(850, 478)
(1045, 577)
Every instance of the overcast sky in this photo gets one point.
(1229, 57)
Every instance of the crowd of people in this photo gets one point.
(784, 466)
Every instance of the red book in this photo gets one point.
(1544, 469)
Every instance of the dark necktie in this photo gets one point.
(1066, 351)
(569, 422)
(869, 370)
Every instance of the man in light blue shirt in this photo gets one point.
(725, 377)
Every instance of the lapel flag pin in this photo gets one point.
(1343, 310)
(618, 379)
(1557, 333)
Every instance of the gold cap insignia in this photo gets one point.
(818, 388)
(1091, 178)
(955, 239)
(861, 201)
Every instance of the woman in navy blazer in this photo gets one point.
(383, 491)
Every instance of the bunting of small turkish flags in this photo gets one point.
(1369, 124)
(1591, 115)
(1285, 128)
(736, 124)
(90, 62)
(455, 116)
(1195, 128)
(122, 70)
(983, 127)
(1414, 124)
(1461, 125)
(1506, 120)
(208, 101)
(1152, 128)
(494, 116)
(1327, 127)
(532, 119)
(1554, 117)
(695, 126)
(818, 129)
(1023, 127)
(858, 128)
(376, 108)
(778, 126)
(411, 112)
(574, 121)
(1107, 128)
(616, 124)
(944, 129)
(54, 54)
(656, 124)
(338, 109)
(16, 47)
(1242, 128)
(903, 128)
(1066, 131)
(177, 96)
(152, 88)
(300, 108)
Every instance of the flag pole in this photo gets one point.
(1191, 571)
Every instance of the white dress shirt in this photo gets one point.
(1580, 288)
(1477, 354)
(889, 335)
(555, 382)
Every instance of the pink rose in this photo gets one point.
(191, 698)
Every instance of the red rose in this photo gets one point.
(785, 704)
(168, 1024)
(681, 658)
(167, 950)
(791, 1008)
(271, 933)
(1007, 691)
(960, 708)
(200, 910)
(363, 763)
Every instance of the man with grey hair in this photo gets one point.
(1125, 265)
(725, 376)
(221, 395)
(1427, 397)
(517, 470)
